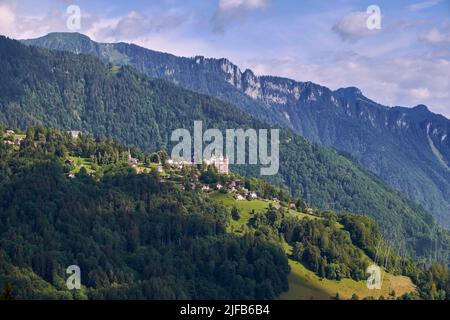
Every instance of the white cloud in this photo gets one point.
(134, 25)
(423, 5)
(7, 20)
(420, 93)
(242, 4)
(234, 11)
(353, 26)
(436, 36)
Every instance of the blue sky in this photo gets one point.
(406, 62)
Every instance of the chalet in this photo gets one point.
(219, 186)
(10, 132)
(252, 195)
(71, 175)
(68, 161)
(238, 197)
(205, 187)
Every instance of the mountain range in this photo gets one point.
(78, 92)
(408, 148)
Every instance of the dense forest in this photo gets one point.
(143, 236)
(132, 235)
(77, 92)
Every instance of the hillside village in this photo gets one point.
(213, 175)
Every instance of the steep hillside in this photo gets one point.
(145, 236)
(133, 236)
(407, 148)
(304, 283)
(78, 92)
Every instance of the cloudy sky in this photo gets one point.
(405, 62)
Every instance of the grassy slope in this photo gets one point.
(81, 162)
(303, 283)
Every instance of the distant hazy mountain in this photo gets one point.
(409, 148)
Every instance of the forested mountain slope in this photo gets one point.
(137, 233)
(78, 92)
(408, 148)
(132, 236)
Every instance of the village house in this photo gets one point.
(205, 187)
(10, 132)
(252, 195)
(219, 186)
(178, 164)
(238, 197)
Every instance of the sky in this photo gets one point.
(399, 57)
